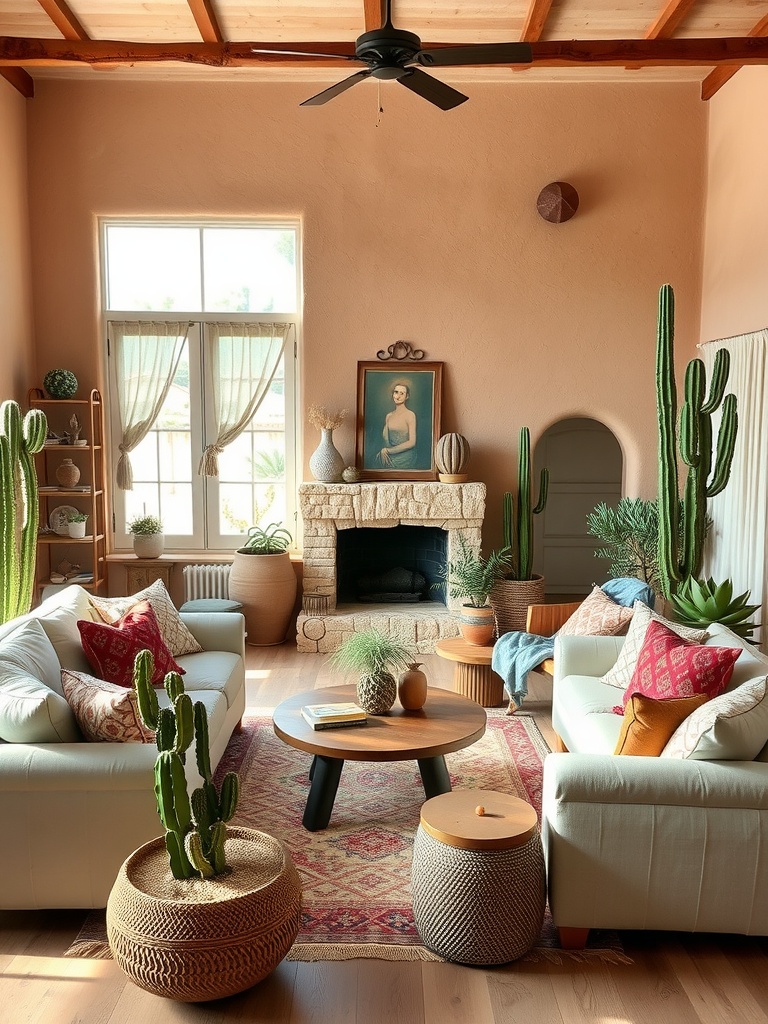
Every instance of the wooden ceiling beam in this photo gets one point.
(735, 52)
(20, 80)
(535, 19)
(668, 20)
(206, 20)
(64, 19)
(716, 79)
(374, 14)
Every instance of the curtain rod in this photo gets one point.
(735, 337)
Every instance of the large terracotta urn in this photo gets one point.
(205, 938)
(265, 585)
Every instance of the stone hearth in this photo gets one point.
(459, 509)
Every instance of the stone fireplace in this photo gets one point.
(434, 516)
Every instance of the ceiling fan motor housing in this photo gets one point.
(387, 50)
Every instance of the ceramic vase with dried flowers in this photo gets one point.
(326, 463)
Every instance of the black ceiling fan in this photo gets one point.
(389, 53)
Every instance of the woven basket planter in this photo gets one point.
(510, 600)
(199, 939)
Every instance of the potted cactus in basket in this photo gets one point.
(204, 911)
(520, 587)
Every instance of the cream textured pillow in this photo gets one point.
(31, 709)
(642, 616)
(106, 712)
(175, 634)
(597, 615)
(731, 727)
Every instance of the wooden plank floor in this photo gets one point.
(700, 979)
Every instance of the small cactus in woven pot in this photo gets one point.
(373, 655)
(451, 458)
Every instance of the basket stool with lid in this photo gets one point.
(478, 882)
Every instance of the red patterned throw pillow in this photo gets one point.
(112, 649)
(670, 667)
(105, 712)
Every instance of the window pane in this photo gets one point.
(153, 268)
(175, 456)
(235, 509)
(144, 458)
(176, 506)
(249, 270)
(143, 500)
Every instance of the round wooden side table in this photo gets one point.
(478, 880)
(473, 676)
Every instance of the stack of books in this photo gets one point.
(333, 716)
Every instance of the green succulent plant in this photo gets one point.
(702, 602)
(145, 526)
(195, 827)
(272, 540)
(472, 577)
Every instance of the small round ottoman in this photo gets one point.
(478, 880)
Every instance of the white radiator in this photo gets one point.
(206, 581)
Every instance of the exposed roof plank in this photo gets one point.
(205, 18)
(374, 13)
(717, 78)
(676, 52)
(64, 19)
(668, 20)
(535, 19)
(20, 80)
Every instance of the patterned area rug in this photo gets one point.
(356, 873)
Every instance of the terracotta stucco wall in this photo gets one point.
(16, 360)
(735, 277)
(422, 227)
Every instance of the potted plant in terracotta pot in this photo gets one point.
(205, 911)
(520, 586)
(148, 539)
(262, 579)
(76, 522)
(471, 577)
(373, 654)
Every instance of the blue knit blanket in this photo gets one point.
(516, 654)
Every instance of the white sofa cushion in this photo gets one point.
(621, 673)
(213, 670)
(58, 616)
(731, 727)
(32, 704)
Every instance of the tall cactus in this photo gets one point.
(20, 439)
(521, 540)
(195, 829)
(680, 560)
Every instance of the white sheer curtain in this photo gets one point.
(241, 360)
(147, 354)
(737, 544)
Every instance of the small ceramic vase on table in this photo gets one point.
(326, 462)
(412, 687)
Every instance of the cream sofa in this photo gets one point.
(648, 842)
(73, 811)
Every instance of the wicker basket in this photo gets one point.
(510, 600)
(201, 939)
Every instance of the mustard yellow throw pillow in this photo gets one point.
(650, 723)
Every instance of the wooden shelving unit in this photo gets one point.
(90, 551)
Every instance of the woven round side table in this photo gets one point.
(478, 880)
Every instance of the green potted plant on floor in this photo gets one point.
(204, 911)
(471, 578)
(262, 579)
(520, 586)
(373, 654)
(148, 539)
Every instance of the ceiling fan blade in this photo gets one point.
(304, 53)
(336, 90)
(431, 89)
(478, 53)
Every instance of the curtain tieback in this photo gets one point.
(209, 463)
(124, 469)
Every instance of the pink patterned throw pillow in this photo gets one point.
(670, 667)
(597, 615)
(105, 712)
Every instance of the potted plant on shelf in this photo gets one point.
(520, 586)
(262, 579)
(472, 577)
(76, 522)
(205, 911)
(373, 654)
(148, 539)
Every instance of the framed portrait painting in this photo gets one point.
(398, 420)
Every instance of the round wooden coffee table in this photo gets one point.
(473, 676)
(447, 722)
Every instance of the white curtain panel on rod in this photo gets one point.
(738, 541)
